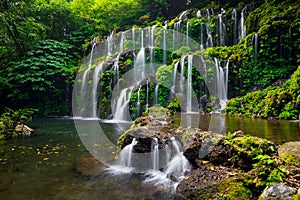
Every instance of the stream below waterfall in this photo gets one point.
(41, 167)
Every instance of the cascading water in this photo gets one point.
(189, 85)
(97, 71)
(155, 154)
(156, 95)
(221, 79)
(120, 107)
(125, 155)
(187, 33)
(109, 43)
(138, 103)
(255, 44)
(242, 26)
(235, 26)
(222, 29)
(165, 44)
(198, 14)
(176, 168)
(83, 87)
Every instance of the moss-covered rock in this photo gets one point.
(290, 151)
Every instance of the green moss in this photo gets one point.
(232, 188)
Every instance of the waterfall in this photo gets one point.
(207, 14)
(221, 82)
(139, 65)
(165, 44)
(222, 30)
(173, 89)
(155, 154)
(97, 71)
(83, 86)
(151, 44)
(147, 94)
(125, 155)
(189, 84)
(156, 95)
(109, 44)
(198, 14)
(181, 81)
(234, 18)
(138, 103)
(120, 107)
(176, 168)
(255, 44)
(176, 146)
(242, 26)
(187, 33)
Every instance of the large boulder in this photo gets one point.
(292, 149)
(155, 123)
(278, 191)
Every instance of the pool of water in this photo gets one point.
(41, 167)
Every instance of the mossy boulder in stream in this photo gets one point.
(155, 122)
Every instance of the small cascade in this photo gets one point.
(198, 14)
(235, 26)
(133, 41)
(125, 155)
(181, 81)
(120, 107)
(147, 93)
(221, 82)
(189, 85)
(255, 45)
(173, 89)
(207, 13)
(138, 103)
(83, 86)
(97, 71)
(165, 44)
(176, 168)
(139, 65)
(242, 26)
(176, 146)
(187, 33)
(222, 29)
(177, 27)
(151, 43)
(109, 44)
(155, 154)
(156, 95)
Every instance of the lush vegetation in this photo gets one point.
(275, 101)
(11, 118)
(43, 42)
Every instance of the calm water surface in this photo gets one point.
(41, 167)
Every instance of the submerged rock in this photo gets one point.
(89, 166)
(278, 191)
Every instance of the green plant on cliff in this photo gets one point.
(280, 101)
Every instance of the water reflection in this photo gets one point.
(275, 130)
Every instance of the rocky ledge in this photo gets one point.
(225, 166)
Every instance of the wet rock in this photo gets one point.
(290, 148)
(278, 191)
(198, 144)
(155, 123)
(89, 166)
(24, 130)
(208, 181)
